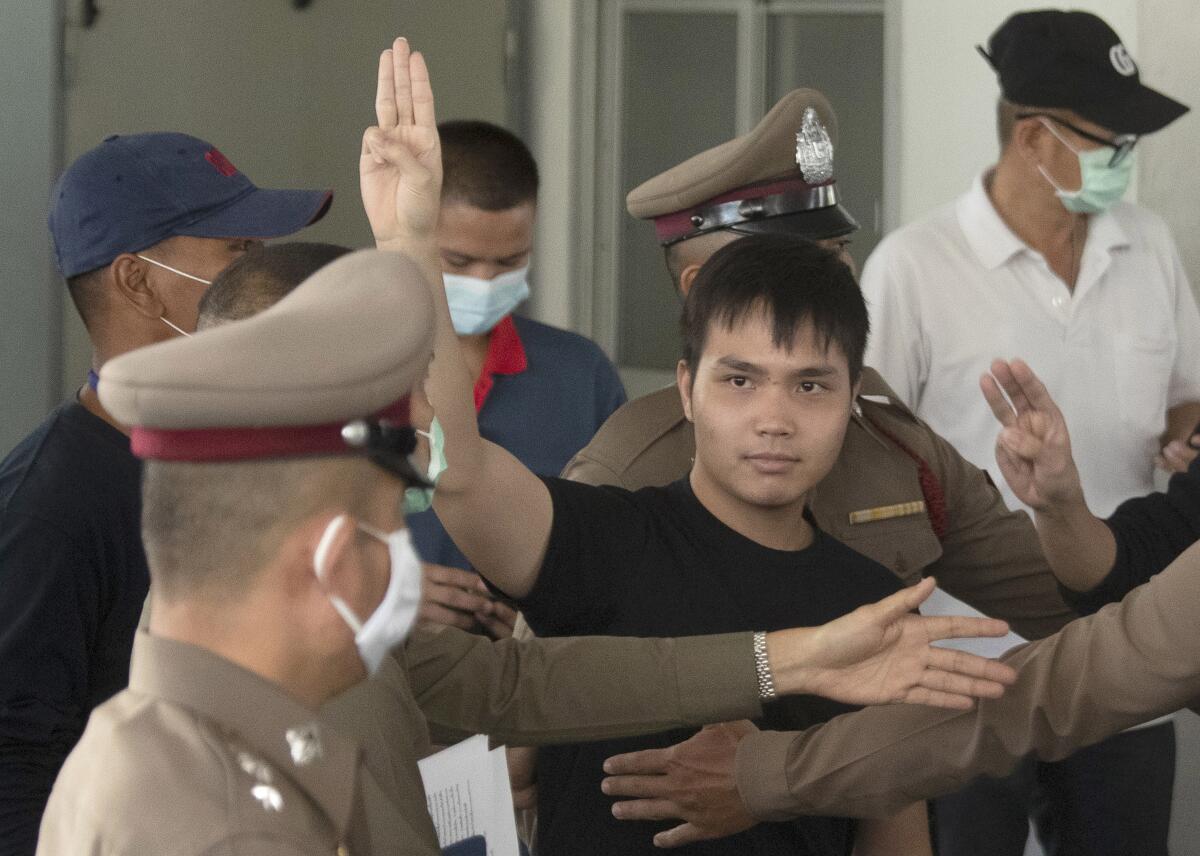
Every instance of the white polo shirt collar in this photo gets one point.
(994, 244)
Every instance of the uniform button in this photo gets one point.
(1059, 301)
(342, 850)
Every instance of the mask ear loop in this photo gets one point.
(320, 558)
(175, 327)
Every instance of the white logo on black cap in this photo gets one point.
(1121, 60)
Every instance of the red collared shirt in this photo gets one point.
(505, 356)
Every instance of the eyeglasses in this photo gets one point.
(1121, 144)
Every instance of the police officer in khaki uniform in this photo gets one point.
(898, 493)
(278, 581)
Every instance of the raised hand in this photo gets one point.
(882, 653)
(1033, 448)
(400, 167)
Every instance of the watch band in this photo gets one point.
(762, 667)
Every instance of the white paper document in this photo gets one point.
(468, 793)
(941, 603)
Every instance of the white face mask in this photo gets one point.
(478, 305)
(174, 327)
(392, 620)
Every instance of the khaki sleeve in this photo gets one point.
(1123, 666)
(991, 557)
(587, 470)
(588, 688)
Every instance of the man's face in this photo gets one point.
(201, 257)
(484, 244)
(1057, 150)
(769, 422)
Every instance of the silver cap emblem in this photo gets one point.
(814, 149)
(305, 743)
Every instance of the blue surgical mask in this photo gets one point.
(1101, 185)
(478, 305)
(418, 499)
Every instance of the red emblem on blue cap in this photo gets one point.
(220, 163)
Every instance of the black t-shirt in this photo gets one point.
(656, 563)
(73, 579)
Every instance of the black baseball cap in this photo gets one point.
(1075, 61)
(130, 192)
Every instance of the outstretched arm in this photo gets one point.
(496, 510)
(553, 690)
(1033, 451)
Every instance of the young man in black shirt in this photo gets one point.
(140, 225)
(769, 382)
(768, 378)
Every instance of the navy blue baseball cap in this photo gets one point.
(130, 192)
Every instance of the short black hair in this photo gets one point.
(486, 166)
(85, 291)
(797, 283)
(261, 277)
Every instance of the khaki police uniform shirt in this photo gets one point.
(871, 500)
(1127, 664)
(200, 756)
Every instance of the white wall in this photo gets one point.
(1169, 179)
(30, 294)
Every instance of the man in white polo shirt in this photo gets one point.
(1040, 259)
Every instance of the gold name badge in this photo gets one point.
(887, 512)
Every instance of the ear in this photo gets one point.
(130, 277)
(687, 276)
(328, 539)
(1026, 139)
(683, 381)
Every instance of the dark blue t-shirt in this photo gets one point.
(73, 580)
(543, 416)
(656, 563)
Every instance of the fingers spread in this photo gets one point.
(422, 92)
(972, 665)
(449, 576)
(957, 684)
(935, 698)
(954, 626)
(645, 810)
(636, 786)
(1032, 387)
(385, 93)
(401, 83)
(647, 761)
(896, 606)
(1001, 409)
(681, 835)
(432, 613)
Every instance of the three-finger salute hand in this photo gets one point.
(400, 166)
(1033, 448)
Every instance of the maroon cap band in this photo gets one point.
(670, 227)
(250, 443)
